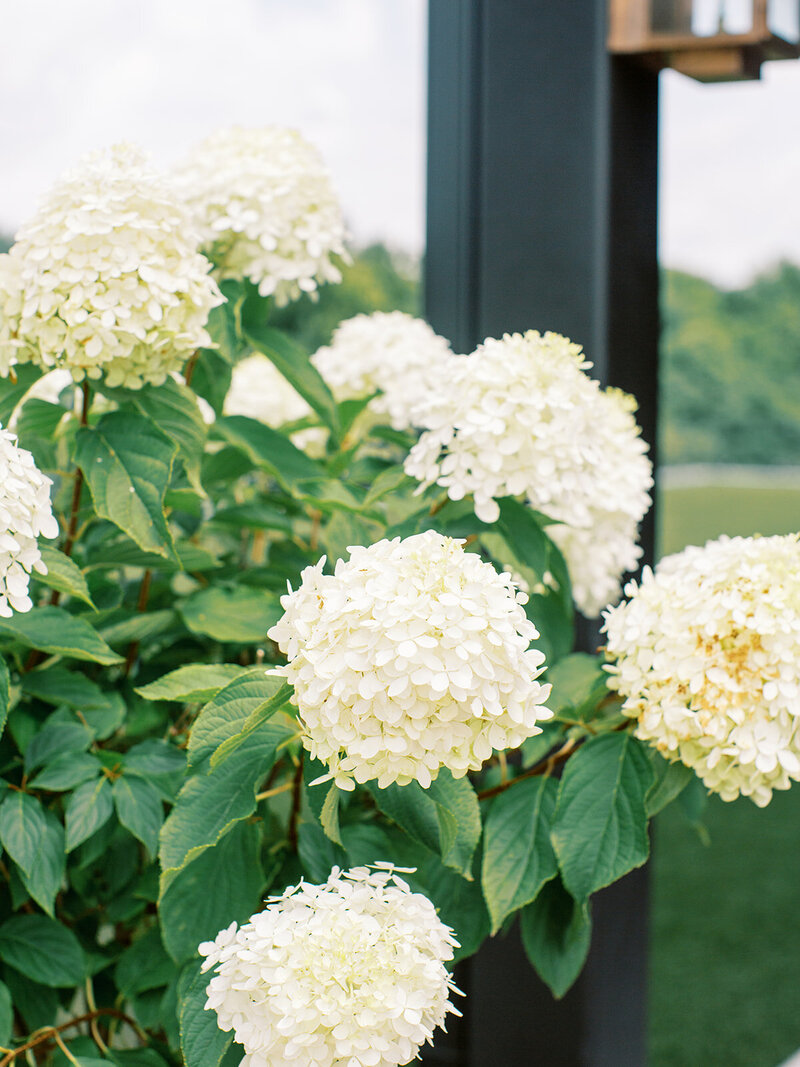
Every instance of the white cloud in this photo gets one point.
(349, 73)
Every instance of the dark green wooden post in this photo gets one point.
(542, 213)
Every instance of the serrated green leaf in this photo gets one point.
(42, 950)
(189, 913)
(105, 721)
(89, 808)
(556, 932)
(6, 1015)
(238, 614)
(54, 630)
(459, 903)
(202, 1042)
(173, 408)
(445, 818)
(63, 574)
(317, 853)
(12, 391)
(518, 857)
(520, 528)
(66, 771)
(269, 450)
(36, 1003)
(127, 462)
(255, 515)
(193, 684)
(154, 756)
(144, 965)
(54, 739)
(578, 680)
(388, 481)
(44, 879)
(210, 804)
(292, 362)
(253, 723)
(22, 827)
(57, 685)
(670, 779)
(600, 823)
(141, 626)
(228, 711)
(329, 814)
(139, 809)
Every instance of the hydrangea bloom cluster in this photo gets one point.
(106, 280)
(520, 417)
(412, 656)
(391, 353)
(349, 972)
(267, 210)
(707, 655)
(25, 514)
(259, 391)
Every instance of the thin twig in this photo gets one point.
(47, 1033)
(284, 788)
(93, 1027)
(141, 605)
(187, 374)
(545, 766)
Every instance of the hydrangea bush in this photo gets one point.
(401, 749)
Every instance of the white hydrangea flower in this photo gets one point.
(106, 280)
(267, 209)
(259, 391)
(707, 655)
(25, 514)
(412, 656)
(519, 417)
(387, 352)
(346, 973)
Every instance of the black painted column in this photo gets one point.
(542, 214)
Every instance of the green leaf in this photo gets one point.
(521, 530)
(46, 875)
(193, 684)
(228, 711)
(54, 739)
(11, 392)
(154, 756)
(269, 450)
(139, 627)
(173, 408)
(54, 630)
(139, 809)
(4, 685)
(445, 818)
(329, 814)
(578, 681)
(253, 723)
(43, 950)
(6, 1015)
(388, 481)
(144, 965)
(670, 781)
(518, 857)
(256, 515)
(89, 808)
(202, 1042)
(317, 853)
(189, 913)
(600, 824)
(210, 804)
(556, 931)
(66, 771)
(460, 903)
(292, 362)
(36, 1003)
(127, 462)
(57, 685)
(237, 614)
(63, 574)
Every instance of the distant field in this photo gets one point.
(725, 959)
(701, 502)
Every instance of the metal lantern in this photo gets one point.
(710, 40)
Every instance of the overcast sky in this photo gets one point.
(350, 74)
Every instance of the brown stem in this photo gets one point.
(141, 604)
(76, 491)
(47, 1033)
(545, 766)
(297, 796)
(313, 541)
(189, 371)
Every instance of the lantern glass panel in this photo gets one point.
(783, 19)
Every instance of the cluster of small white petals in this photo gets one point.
(266, 207)
(25, 514)
(520, 417)
(107, 280)
(412, 656)
(390, 353)
(707, 655)
(350, 973)
(259, 391)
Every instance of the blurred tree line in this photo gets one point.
(730, 361)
